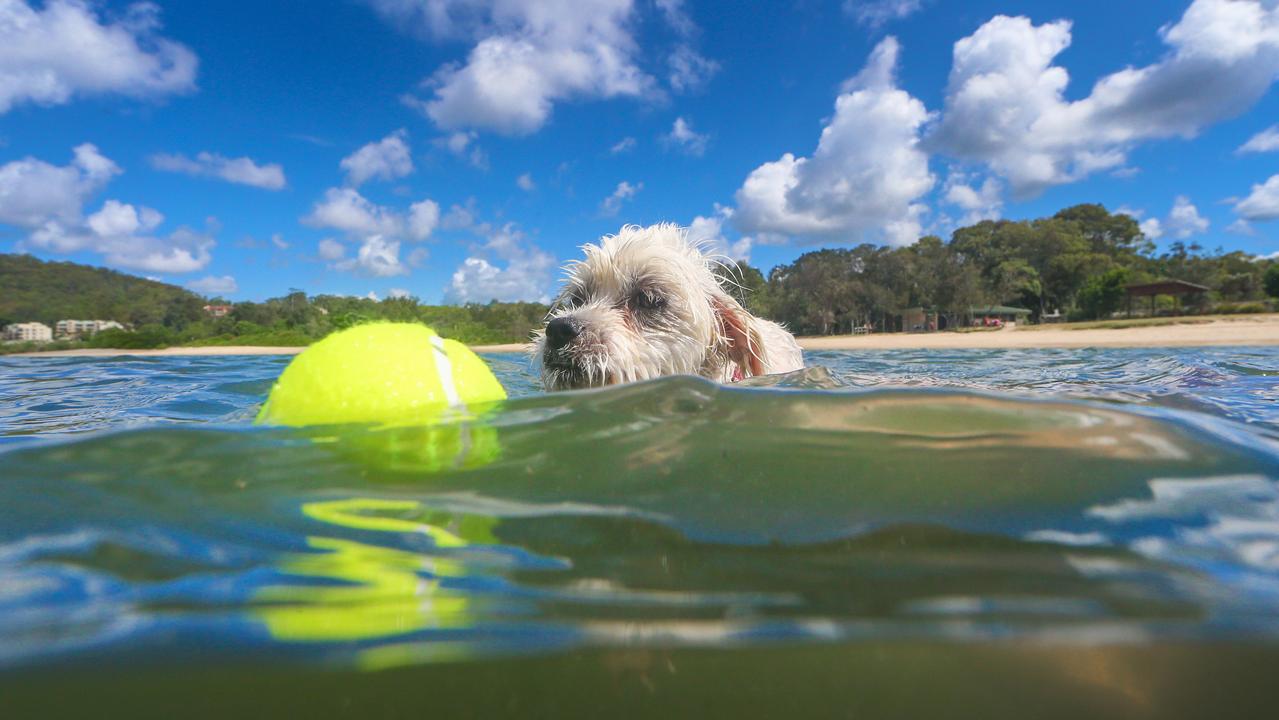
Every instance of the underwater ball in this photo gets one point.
(386, 373)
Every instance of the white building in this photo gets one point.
(28, 332)
(84, 328)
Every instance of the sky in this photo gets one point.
(462, 150)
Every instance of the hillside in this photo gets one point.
(32, 289)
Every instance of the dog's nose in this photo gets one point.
(561, 331)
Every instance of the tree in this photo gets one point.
(1103, 294)
(1272, 280)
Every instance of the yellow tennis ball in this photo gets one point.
(385, 373)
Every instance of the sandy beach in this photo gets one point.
(1232, 330)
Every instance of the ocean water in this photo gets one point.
(1056, 533)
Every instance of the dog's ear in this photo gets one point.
(739, 339)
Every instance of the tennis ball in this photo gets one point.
(385, 373)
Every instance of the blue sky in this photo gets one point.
(461, 150)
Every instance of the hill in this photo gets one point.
(51, 291)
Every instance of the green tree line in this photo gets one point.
(1076, 262)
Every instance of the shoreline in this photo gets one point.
(1241, 330)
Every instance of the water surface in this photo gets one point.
(893, 533)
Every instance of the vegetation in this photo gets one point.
(161, 315)
(1076, 262)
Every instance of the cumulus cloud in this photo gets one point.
(1005, 100)
(243, 171)
(527, 57)
(708, 232)
(331, 249)
(423, 217)
(979, 202)
(525, 183)
(462, 144)
(62, 49)
(1265, 141)
(624, 191)
(378, 230)
(386, 159)
(685, 139)
(1182, 221)
(1262, 203)
(865, 178)
(215, 285)
(526, 274)
(874, 14)
(377, 256)
(48, 202)
(33, 191)
(347, 210)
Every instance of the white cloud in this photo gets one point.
(347, 210)
(462, 145)
(866, 176)
(624, 191)
(1262, 203)
(243, 171)
(690, 71)
(378, 257)
(684, 138)
(528, 56)
(1265, 141)
(278, 240)
(626, 144)
(1241, 227)
(423, 217)
(331, 249)
(874, 14)
(1005, 102)
(48, 201)
(1184, 219)
(379, 231)
(983, 202)
(386, 159)
(60, 50)
(525, 183)
(214, 285)
(398, 293)
(481, 278)
(33, 191)
(418, 256)
(708, 232)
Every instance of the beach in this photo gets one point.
(1187, 332)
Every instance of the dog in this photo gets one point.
(645, 303)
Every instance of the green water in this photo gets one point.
(672, 548)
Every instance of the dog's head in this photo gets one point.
(644, 303)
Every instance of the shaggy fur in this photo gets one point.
(646, 303)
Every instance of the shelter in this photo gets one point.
(1005, 313)
(1174, 288)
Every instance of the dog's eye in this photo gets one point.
(649, 301)
(573, 299)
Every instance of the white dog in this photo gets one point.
(646, 303)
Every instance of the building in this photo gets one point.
(28, 332)
(217, 311)
(84, 328)
(987, 315)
